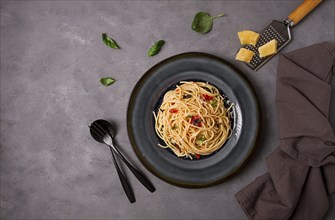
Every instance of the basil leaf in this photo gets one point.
(155, 48)
(214, 103)
(203, 22)
(107, 81)
(109, 41)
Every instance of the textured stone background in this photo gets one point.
(52, 58)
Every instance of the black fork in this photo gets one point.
(124, 182)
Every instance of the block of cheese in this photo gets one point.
(248, 37)
(244, 55)
(268, 49)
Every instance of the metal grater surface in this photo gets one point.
(274, 30)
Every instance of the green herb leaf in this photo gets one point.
(109, 41)
(155, 48)
(201, 139)
(214, 103)
(203, 22)
(107, 81)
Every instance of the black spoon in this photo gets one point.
(105, 135)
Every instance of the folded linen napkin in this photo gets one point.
(302, 168)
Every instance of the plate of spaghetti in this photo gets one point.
(193, 120)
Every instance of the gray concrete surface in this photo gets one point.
(52, 58)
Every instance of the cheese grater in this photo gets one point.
(279, 30)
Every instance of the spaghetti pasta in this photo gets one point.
(193, 120)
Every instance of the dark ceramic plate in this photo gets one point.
(145, 98)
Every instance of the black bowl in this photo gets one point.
(212, 169)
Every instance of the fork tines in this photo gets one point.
(98, 129)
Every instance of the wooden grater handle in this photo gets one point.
(302, 10)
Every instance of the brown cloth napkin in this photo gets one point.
(301, 173)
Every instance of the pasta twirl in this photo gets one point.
(193, 120)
